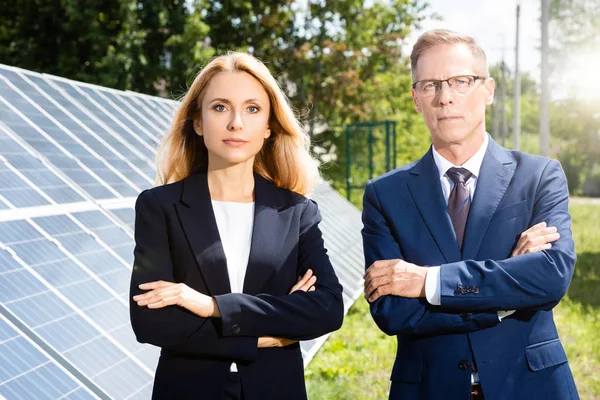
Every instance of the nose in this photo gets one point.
(445, 94)
(236, 123)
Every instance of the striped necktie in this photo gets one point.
(459, 201)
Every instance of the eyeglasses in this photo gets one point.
(460, 84)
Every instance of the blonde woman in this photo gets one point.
(230, 269)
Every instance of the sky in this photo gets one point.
(493, 24)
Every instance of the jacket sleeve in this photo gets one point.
(173, 328)
(300, 315)
(396, 315)
(531, 281)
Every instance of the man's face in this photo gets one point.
(453, 118)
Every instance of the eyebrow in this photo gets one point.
(222, 100)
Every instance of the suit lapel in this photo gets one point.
(496, 173)
(426, 191)
(197, 219)
(268, 234)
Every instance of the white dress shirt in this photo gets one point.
(235, 222)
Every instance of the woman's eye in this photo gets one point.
(219, 107)
(253, 109)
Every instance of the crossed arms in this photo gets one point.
(534, 277)
(175, 317)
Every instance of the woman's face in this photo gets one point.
(235, 117)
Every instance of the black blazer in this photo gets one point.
(177, 240)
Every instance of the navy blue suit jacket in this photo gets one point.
(177, 240)
(405, 217)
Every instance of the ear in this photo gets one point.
(415, 101)
(268, 133)
(198, 127)
(490, 86)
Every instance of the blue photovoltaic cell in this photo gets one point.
(28, 373)
(157, 114)
(121, 155)
(15, 190)
(97, 165)
(36, 172)
(59, 324)
(109, 233)
(135, 139)
(35, 138)
(145, 120)
(126, 215)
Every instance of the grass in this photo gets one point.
(356, 361)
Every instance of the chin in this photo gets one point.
(455, 135)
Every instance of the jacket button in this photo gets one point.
(464, 365)
(236, 329)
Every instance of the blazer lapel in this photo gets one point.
(496, 173)
(268, 234)
(426, 190)
(197, 219)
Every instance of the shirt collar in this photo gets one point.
(473, 164)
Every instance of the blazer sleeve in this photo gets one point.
(300, 315)
(530, 281)
(173, 328)
(396, 315)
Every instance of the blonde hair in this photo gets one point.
(437, 37)
(284, 159)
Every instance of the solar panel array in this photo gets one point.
(73, 158)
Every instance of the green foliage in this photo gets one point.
(356, 361)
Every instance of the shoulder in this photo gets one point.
(394, 177)
(162, 194)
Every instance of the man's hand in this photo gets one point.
(162, 294)
(395, 277)
(537, 238)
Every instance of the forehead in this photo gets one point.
(447, 60)
(235, 86)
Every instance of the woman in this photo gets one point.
(220, 246)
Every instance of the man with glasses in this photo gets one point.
(469, 248)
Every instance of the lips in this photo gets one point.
(449, 118)
(235, 142)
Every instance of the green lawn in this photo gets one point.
(356, 361)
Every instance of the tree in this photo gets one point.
(342, 59)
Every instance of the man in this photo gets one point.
(494, 228)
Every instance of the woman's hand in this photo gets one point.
(162, 294)
(268, 341)
(305, 283)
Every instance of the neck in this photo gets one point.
(233, 183)
(458, 153)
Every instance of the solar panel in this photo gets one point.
(73, 158)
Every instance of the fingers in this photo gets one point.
(381, 268)
(302, 280)
(373, 284)
(380, 291)
(157, 296)
(310, 283)
(538, 248)
(167, 301)
(154, 285)
(305, 283)
(534, 237)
